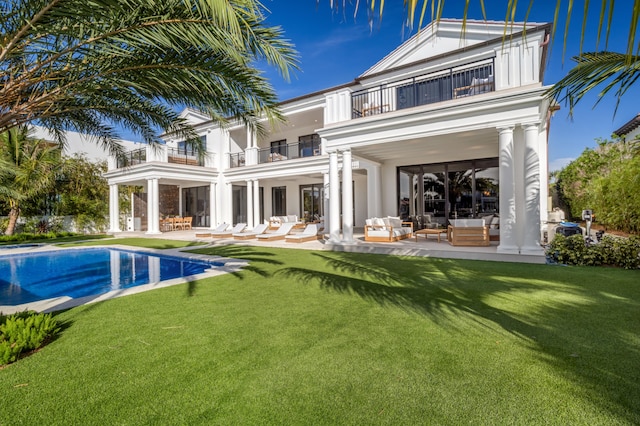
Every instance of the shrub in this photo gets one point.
(24, 332)
(611, 251)
(22, 237)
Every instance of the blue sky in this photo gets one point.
(336, 48)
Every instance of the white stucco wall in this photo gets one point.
(78, 143)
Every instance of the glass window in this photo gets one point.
(309, 145)
(188, 148)
(279, 147)
(279, 197)
(311, 197)
(239, 201)
(435, 193)
(195, 203)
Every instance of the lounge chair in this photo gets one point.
(247, 235)
(220, 228)
(279, 234)
(310, 233)
(229, 232)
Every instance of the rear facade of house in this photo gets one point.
(442, 128)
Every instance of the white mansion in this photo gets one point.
(443, 127)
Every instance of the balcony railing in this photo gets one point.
(131, 158)
(237, 159)
(288, 152)
(452, 83)
(184, 156)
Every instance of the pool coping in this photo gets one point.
(65, 302)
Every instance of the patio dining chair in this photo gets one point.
(186, 222)
(178, 223)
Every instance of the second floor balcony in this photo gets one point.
(452, 83)
(308, 146)
(162, 154)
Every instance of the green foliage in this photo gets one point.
(27, 236)
(606, 180)
(27, 169)
(611, 251)
(23, 332)
(98, 66)
(36, 225)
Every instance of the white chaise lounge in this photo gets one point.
(248, 235)
(310, 233)
(279, 234)
(227, 233)
(220, 228)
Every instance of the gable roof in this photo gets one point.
(628, 126)
(194, 116)
(446, 36)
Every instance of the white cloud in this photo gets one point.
(338, 38)
(559, 163)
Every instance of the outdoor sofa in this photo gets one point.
(468, 232)
(387, 229)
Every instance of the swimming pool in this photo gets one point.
(75, 273)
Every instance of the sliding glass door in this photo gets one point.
(438, 192)
(311, 198)
(195, 203)
(239, 200)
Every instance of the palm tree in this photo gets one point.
(594, 69)
(618, 70)
(96, 66)
(27, 169)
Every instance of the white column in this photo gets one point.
(347, 198)
(256, 202)
(114, 209)
(326, 207)
(374, 191)
(149, 206)
(153, 215)
(249, 205)
(179, 201)
(228, 206)
(508, 231)
(334, 201)
(133, 211)
(212, 206)
(531, 219)
(251, 153)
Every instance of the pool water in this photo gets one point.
(77, 273)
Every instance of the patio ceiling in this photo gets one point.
(457, 146)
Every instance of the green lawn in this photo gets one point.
(305, 337)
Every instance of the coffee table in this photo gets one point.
(429, 231)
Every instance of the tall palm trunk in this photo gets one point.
(14, 214)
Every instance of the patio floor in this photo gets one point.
(426, 247)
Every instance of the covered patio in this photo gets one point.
(409, 247)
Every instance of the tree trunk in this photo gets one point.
(14, 213)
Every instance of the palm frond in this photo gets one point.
(609, 69)
(95, 66)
